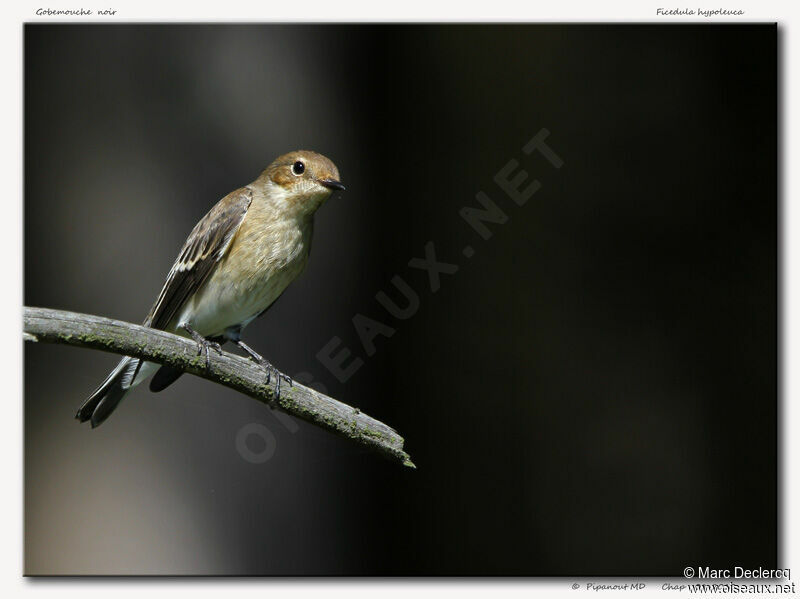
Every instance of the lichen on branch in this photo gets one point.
(84, 330)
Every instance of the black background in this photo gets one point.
(594, 392)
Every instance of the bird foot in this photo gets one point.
(203, 344)
(269, 370)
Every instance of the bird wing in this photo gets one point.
(206, 246)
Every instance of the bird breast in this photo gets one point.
(265, 256)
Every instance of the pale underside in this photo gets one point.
(248, 265)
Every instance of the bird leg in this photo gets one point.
(269, 368)
(202, 343)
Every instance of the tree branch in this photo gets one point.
(241, 374)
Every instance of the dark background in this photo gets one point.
(594, 392)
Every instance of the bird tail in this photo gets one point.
(107, 396)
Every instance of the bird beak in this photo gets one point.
(332, 184)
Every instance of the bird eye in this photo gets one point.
(298, 168)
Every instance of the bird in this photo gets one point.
(239, 258)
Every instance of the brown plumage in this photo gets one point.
(235, 263)
(201, 253)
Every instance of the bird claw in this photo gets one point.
(278, 376)
(202, 347)
(203, 344)
(269, 369)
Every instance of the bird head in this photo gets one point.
(302, 179)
